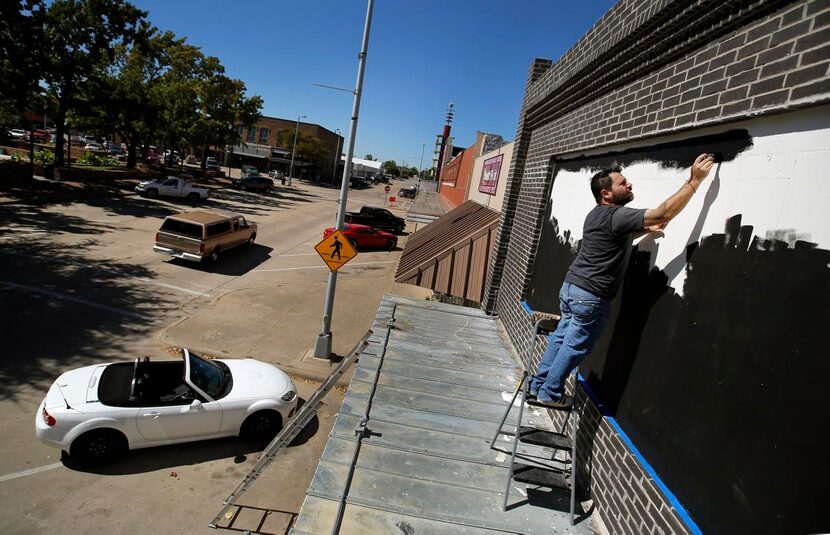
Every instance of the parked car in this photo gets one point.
(172, 186)
(94, 146)
(98, 412)
(115, 150)
(254, 183)
(39, 135)
(17, 133)
(379, 218)
(211, 163)
(362, 237)
(409, 192)
(360, 182)
(199, 236)
(273, 173)
(249, 170)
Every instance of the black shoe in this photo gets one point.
(565, 402)
(530, 396)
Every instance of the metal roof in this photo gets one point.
(444, 378)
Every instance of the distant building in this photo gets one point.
(260, 147)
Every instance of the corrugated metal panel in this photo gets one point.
(441, 242)
(427, 466)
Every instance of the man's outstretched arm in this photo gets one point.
(672, 206)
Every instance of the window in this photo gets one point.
(263, 135)
(218, 228)
(251, 134)
(183, 228)
(170, 182)
(240, 130)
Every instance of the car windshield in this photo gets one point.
(210, 377)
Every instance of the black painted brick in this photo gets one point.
(811, 90)
(784, 65)
(732, 43)
(790, 32)
(733, 94)
(815, 39)
(792, 15)
(807, 74)
(674, 101)
(737, 107)
(685, 119)
(773, 54)
(814, 56)
(821, 21)
(714, 87)
(675, 524)
(765, 86)
(819, 5)
(720, 61)
(708, 102)
(697, 71)
(717, 74)
(690, 95)
(706, 55)
(764, 29)
(770, 99)
(744, 78)
(741, 66)
(753, 48)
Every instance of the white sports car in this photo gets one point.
(97, 412)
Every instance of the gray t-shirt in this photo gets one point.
(606, 238)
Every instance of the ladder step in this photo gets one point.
(538, 437)
(534, 475)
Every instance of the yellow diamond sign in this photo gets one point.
(335, 250)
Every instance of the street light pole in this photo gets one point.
(294, 150)
(322, 346)
(336, 154)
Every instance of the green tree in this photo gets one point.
(369, 157)
(220, 105)
(309, 147)
(80, 38)
(390, 167)
(21, 38)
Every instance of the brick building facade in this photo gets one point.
(266, 132)
(656, 69)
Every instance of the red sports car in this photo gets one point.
(362, 237)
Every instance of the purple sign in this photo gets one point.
(490, 175)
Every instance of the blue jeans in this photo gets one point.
(584, 316)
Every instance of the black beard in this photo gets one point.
(625, 200)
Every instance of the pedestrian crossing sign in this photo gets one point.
(335, 250)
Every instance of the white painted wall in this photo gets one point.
(491, 201)
(782, 182)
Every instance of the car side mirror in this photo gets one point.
(196, 404)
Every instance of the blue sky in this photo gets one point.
(423, 55)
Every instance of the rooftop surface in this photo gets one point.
(445, 379)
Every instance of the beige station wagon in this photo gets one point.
(199, 236)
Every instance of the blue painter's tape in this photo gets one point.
(675, 503)
(527, 308)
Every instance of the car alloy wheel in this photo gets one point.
(244, 187)
(354, 244)
(390, 245)
(97, 446)
(251, 240)
(262, 425)
(152, 193)
(214, 256)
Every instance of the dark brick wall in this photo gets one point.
(647, 68)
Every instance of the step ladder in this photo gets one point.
(527, 473)
(288, 433)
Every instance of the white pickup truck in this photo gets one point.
(172, 187)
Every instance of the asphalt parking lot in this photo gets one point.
(79, 284)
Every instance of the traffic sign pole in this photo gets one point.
(322, 346)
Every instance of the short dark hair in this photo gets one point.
(602, 180)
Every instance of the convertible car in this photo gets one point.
(97, 412)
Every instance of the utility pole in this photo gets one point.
(322, 346)
(294, 150)
(421, 167)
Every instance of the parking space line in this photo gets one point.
(326, 267)
(30, 472)
(72, 299)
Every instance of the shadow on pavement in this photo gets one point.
(63, 311)
(189, 453)
(237, 261)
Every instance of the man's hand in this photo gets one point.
(657, 228)
(700, 169)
